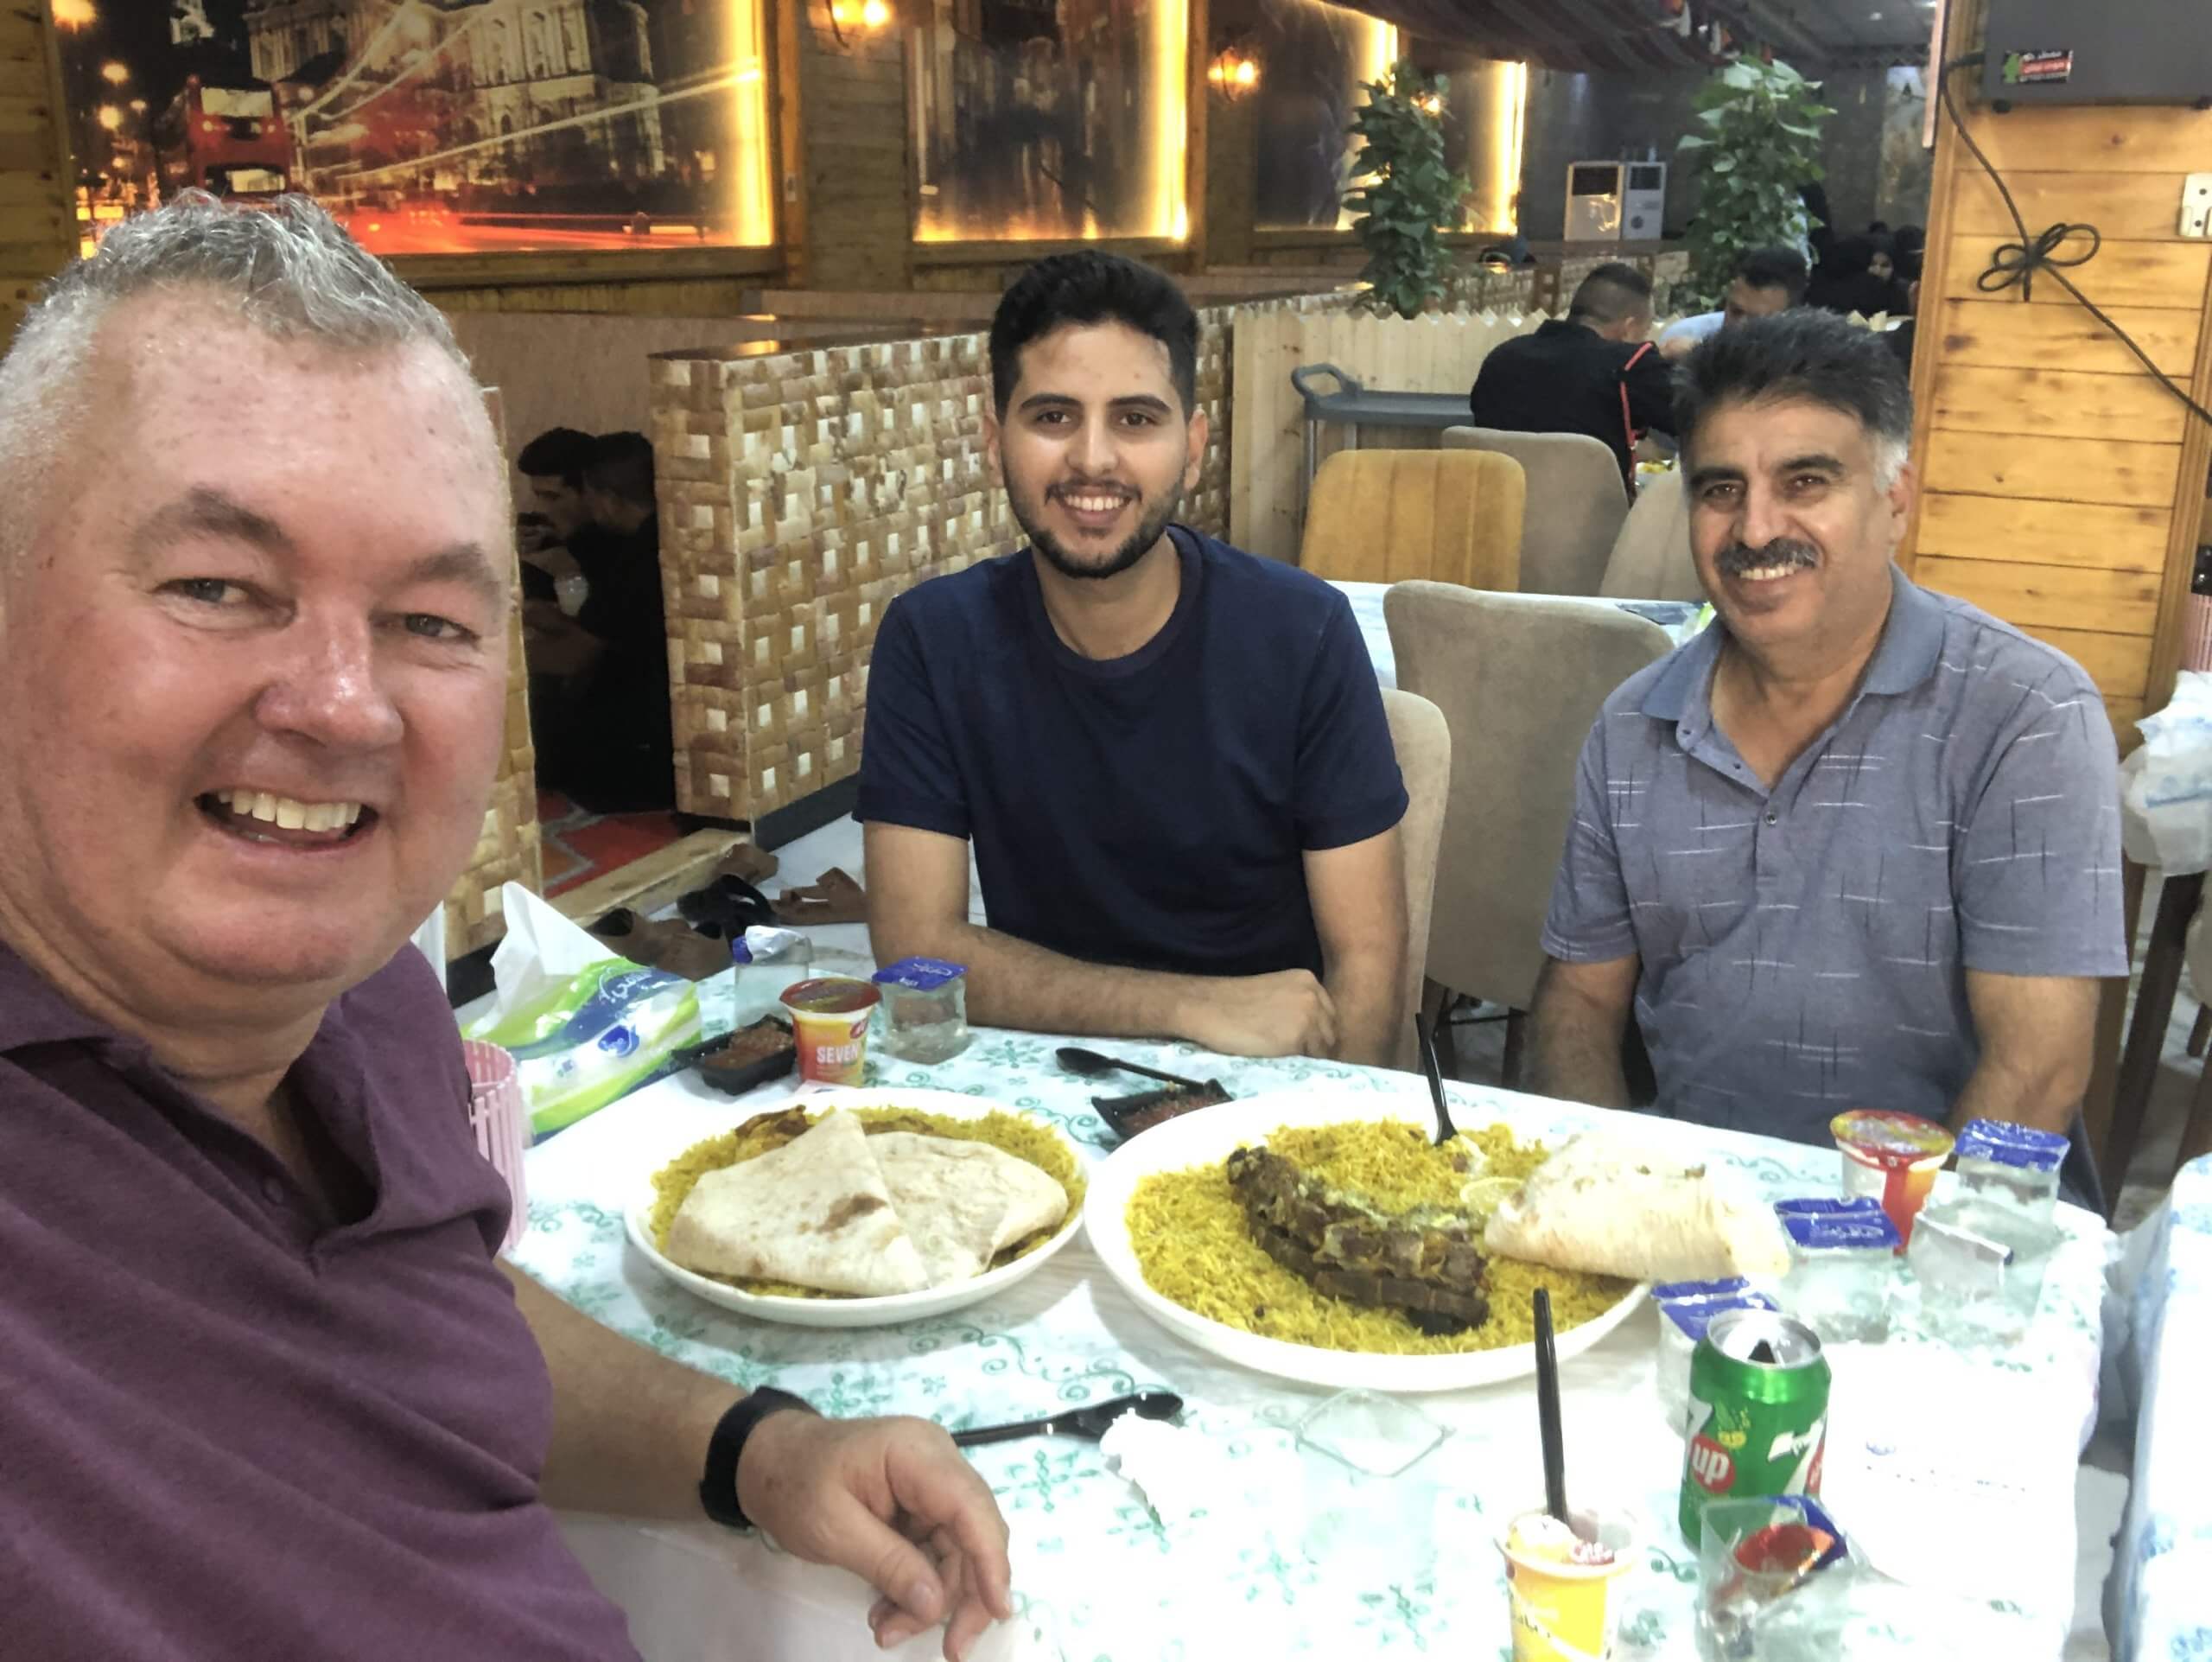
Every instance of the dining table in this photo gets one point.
(1943, 1466)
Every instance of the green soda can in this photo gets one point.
(1759, 1410)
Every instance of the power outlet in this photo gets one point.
(2196, 205)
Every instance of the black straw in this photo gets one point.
(1426, 1035)
(1547, 1411)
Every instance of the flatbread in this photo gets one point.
(963, 1203)
(815, 1212)
(1610, 1207)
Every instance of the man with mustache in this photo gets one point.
(1856, 844)
(1170, 757)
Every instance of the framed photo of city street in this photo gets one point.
(432, 127)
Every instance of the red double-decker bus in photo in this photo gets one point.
(230, 140)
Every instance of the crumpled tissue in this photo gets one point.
(585, 1027)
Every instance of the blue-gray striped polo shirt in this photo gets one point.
(1804, 949)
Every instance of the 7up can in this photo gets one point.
(1758, 1412)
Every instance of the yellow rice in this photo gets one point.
(1192, 1242)
(1016, 1134)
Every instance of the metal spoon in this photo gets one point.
(1089, 1064)
(1091, 1422)
(1445, 1132)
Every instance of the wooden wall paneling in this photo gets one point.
(2124, 207)
(2034, 533)
(2088, 470)
(2051, 597)
(2059, 480)
(2054, 403)
(1994, 333)
(2118, 664)
(38, 212)
(2123, 273)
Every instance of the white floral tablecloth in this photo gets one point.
(2163, 1570)
(1097, 1576)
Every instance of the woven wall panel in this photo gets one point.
(799, 496)
(508, 848)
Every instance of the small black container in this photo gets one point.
(1126, 1116)
(736, 1081)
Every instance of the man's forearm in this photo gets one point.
(1366, 989)
(1013, 984)
(1576, 1052)
(2049, 1100)
(630, 1427)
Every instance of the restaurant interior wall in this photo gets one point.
(38, 229)
(799, 494)
(2061, 487)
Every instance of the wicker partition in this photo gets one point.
(507, 848)
(798, 494)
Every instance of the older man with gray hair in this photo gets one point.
(268, 1393)
(1856, 844)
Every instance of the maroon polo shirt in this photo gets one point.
(233, 1425)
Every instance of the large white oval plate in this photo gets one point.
(859, 1312)
(1201, 1138)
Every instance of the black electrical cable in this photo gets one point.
(2015, 264)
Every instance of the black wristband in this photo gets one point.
(718, 1483)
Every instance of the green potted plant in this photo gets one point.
(1757, 139)
(1407, 194)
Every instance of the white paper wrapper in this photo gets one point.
(2166, 785)
(1180, 1473)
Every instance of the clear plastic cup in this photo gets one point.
(1563, 1610)
(1892, 1158)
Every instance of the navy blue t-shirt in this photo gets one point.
(1151, 811)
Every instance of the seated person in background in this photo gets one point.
(1767, 281)
(1856, 844)
(1170, 756)
(1594, 372)
(608, 741)
(552, 465)
(1844, 281)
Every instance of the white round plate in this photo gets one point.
(1201, 1138)
(859, 1312)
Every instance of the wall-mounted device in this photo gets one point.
(1594, 190)
(2111, 52)
(1643, 201)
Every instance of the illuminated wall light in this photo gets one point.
(748, 184)
(1508, 105)
(115, 73)
(1171, 126)
(75, 13)
(875, 14)
(110, 117)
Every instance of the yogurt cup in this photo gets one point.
(1560, 1583)
(1892, 1158)
(829, 1020)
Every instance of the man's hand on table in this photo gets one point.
(892, 1502)
(1287, 1014)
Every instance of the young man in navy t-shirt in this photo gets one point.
(1170, 756)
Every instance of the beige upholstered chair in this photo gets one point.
(1382, 516)
(1423, 742)
(1576, 504)
(1519, 679)
(1651, 560)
